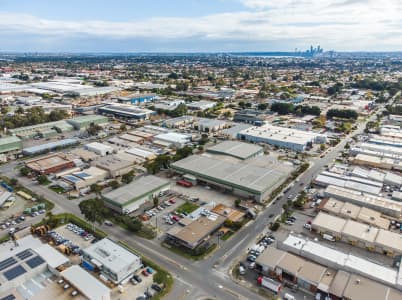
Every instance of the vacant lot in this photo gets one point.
(187, 208)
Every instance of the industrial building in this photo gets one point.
(125, 111)
(351, 211)
(384, 205)
(114, 165)
(382, 176)
(200, 105)
(26, 260)
(317, 278)
(137, 98)
(209, 125)
(378, 162)
(83, 122)
(99, 148)
(86, 284)
(10, 143)
(141, 153)
(198, 231)
(293, 139)
(178, 122)
(135, 195)
(326, 178)
(359, 234)
(242, 179)
(85, 178)
(250, 116)
(236, 149)
(338, 260)
(115, 262)
(52, 163)
(177, 140)
(52, 146)
(48, 129)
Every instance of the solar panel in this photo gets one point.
(9, 297)
(7, 262)
(14, 272)
(35, 261)
(24, 254)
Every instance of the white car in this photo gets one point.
(288, 222)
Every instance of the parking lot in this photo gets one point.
(132, 291)
(72, 237)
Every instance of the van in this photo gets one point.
(288, 296)
(328, 238)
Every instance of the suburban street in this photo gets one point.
(202, 279)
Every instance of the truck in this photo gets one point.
(270, 284)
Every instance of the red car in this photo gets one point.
(145, 273)
(172, 201)
(176, 218)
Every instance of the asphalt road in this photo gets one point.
(203, 279)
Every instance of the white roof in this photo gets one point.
(111, 255)
(174, 137)
(99, 146)
(52, 257)
(87, 284)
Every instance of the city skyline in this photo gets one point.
(199, 26)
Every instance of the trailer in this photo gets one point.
(270, 284)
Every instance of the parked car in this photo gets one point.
(251, 258)
(66, 286)
(145, 273)
(137, 278)
(74, 293)
(156, 287)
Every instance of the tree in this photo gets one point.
(93, 129)
(156, 201)
(248, 104)
(237, 202)
(114, 184)
(123, 127)
(128, 177)
(282, 108)
(96, 188)
(242, 104)
(14, 181)
(342, 113)
(93, 210)
(42, 179)
(262, 106)
(24, 171)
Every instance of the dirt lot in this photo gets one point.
(17, 209)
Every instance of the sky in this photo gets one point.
(199, 25)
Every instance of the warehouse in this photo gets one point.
(114, 165)
(10, 143)
(338, 260)
(177, 140)
(141, 153)
(126, 111)
(86, 284)
(197, 232)
(382, 176)
(115, 262)
(135, 195)
(350, 211)
(178, 122)
(99, 148)
(359, 234)
(327, 224)
(52, 163)
(131, 138)
(354, 183)
(209, 125)
(200, 105)
(378, 162)
(387, 141)
(293, 139)
(44, 148)
(83, 122)
(85, 178)
(381, 148)
(384, 205)
(28, 132)
(239, 178)
(137, 98)
(236, 149)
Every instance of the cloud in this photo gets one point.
(338, 24)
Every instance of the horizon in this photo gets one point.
(206, 26)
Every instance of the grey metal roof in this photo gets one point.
(236, 149)
(247, 177)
